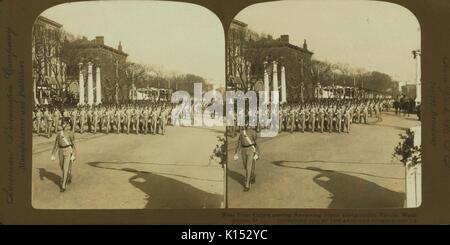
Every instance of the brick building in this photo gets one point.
(49, 71)
(112, 62)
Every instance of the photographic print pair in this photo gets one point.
(296, 104)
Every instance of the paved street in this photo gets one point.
(314, 170)
(132, 171)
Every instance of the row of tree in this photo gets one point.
(247, 51)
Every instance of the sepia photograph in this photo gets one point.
(105, 131)
(344, 86)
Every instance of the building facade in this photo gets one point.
(251, 56)
(111, 62)
(49, 70)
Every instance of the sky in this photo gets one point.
(177, 36)
(364, 34)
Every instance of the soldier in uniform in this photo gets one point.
(82, 119)
(312, 118)
(57, 119)
(118, 120)
(357, 115)
(250, 153)
(364, 114)
(137, 119)
(48, 122)
(321, 116)
(89, 119)
(338, 120)
(347, 119)
(74, 118)
(163, 121)
(292, 119)
(95, 119)
(154, 120)
(107, 119)
(39, 116)
(65, 148)
(329, 119)
(145, 121)
(128, 115)
(301, 117)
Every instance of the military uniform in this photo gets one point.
(321, 116)
(48, 123)
(95, 119)
(347, 120)
(107, 120)
(74, 117)
(338, 120)
(56, 119)
(154, 121)
(65, 147)
(128, 115)
(329, 120)
(312, 119)
(82, 119)
(247, 143)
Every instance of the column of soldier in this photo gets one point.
(329, 115)
(144, 118)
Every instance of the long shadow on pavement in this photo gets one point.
(44, 174)
(164, 192)
(352, 192)
(236, 176)
(280, 163)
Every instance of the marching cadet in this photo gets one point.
(306, 118)
(329, 119)
(357, 116)
(57, 119)
(302, 116)
(82, 119)
(48, 122)
(107, 119)
(378, 111)
(163, 121)
(118, 120)
(154, 120)
(101, 115)
(128, 114)
(250, 153)
(352, 112)
(145, 116)
(347, 119)
(292, 119)
(39, 116)
(65, 148)
(89, 119)
(364, 114)
(338, 119)
(321, 115)
(74, 117)
(312, 119)
(95, 117)
(137, 119)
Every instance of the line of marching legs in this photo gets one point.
(104, 119)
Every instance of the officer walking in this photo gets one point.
(249, 152)
(65, 148)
